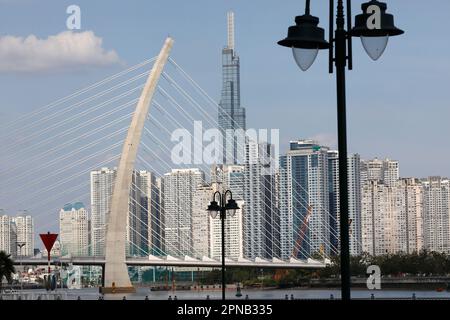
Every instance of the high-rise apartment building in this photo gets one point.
(102, 186)
(151, 218)
(144, 221)
(410, 224)
(261, 218)
(304, 201)
(436, 214)
(201, 242)
(354, 199)
(179, 188)
(24, 225)
(392, 219)
(158, 234)
(74, 230)
(378, 218)
(8, 235)
(143, 204)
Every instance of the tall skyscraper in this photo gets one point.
(304, 200)
(231, 114)
(24, 225)
(261, 219)
(436, 214)
(73, 230)
(179, 188)
(354, 205)
(102, 186)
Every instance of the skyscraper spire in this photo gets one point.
(230, 30)
(231, 115)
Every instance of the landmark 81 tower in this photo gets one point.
(231, 115)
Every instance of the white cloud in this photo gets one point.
(62, 51)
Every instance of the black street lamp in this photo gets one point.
(374, 26)
(221, 208)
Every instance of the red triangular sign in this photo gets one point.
(48, 239)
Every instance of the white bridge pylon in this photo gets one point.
(117, 279)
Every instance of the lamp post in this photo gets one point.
(374, 26)
(20, 245)
(221, 208)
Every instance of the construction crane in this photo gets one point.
(302, 234)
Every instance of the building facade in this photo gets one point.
(143, 206)
(74, 230)
(8, 235)
(201, 240)
(392, 217)
(436, 214)
(102, 186)
(304, 201)
(354, 200)
(179, 188)
(151, 215)
(411, 215)
(378, 210)
(24, 228)
(261, 218)
(144, 216)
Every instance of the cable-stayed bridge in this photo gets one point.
(48, 155)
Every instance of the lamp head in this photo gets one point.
(374, 26)
(367, 24)
(213, 209)
(305, 39)
(231, 207)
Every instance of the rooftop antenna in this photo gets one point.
(231, 30)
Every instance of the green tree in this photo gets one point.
(6, 268)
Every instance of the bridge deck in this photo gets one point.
(175, 262)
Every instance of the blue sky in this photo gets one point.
(398, 107)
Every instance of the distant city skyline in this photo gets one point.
(286, 218)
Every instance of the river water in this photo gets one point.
(142, 293)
